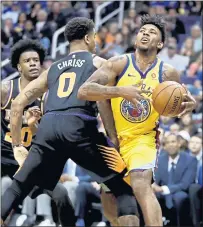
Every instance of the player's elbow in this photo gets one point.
(82, 92)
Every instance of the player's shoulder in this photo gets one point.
(118, 63)
(169, 73)
(6, 85)
(6, 92)
(121, 58)
(167, 66)
(98, 61)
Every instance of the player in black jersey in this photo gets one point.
(68, 129)
(27, 57)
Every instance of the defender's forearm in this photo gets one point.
(16, 123)
(96, 92)
(106, 114)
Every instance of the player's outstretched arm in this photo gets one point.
(29, 94)
(171, 74)
(100, 86)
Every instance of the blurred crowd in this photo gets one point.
(180, 138)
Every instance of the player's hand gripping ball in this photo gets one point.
(167, 98)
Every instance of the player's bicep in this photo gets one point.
(169, 73)
(33, 90)
(109, 70)
(104, 75)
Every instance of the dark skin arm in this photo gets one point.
(106, 114)
(100, 86)
(171, 74)
(105, 110)
(29, 94)
(5, 88)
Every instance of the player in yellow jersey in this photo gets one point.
(124, 80)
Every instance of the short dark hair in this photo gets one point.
(157, 21)
(77, 28)
(26, 45)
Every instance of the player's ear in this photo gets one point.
(87, 40)
(19, 67)
(160, 45)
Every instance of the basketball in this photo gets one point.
(167, 98)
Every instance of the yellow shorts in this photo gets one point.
(140, 153)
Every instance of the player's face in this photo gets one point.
(90, 40)
(148, 38)
(29, 65)
(172, 145)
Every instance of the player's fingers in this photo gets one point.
(188, 97)
(144, 91)
(185, 112)
(136, 102)
(147, 98)
(36, 113)
(138, 83)
(34, 108)
(187, 107)
(186, 103)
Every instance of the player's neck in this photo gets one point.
(76, 47)
(144, 60)
(23, 82)
(145, 57)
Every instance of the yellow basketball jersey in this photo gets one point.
(130, 120)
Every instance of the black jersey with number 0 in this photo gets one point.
(64, 79)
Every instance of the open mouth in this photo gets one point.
(144, 40)
(34, 70)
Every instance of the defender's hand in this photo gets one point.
(189, 103)
(33, 115)
(20, 154)
(134, 94)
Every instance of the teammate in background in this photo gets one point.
(27, 57)
(121, 79)
(68, 129)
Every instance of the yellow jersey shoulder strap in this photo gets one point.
(125, 68)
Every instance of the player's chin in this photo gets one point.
(144, 47)
(34, 75)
